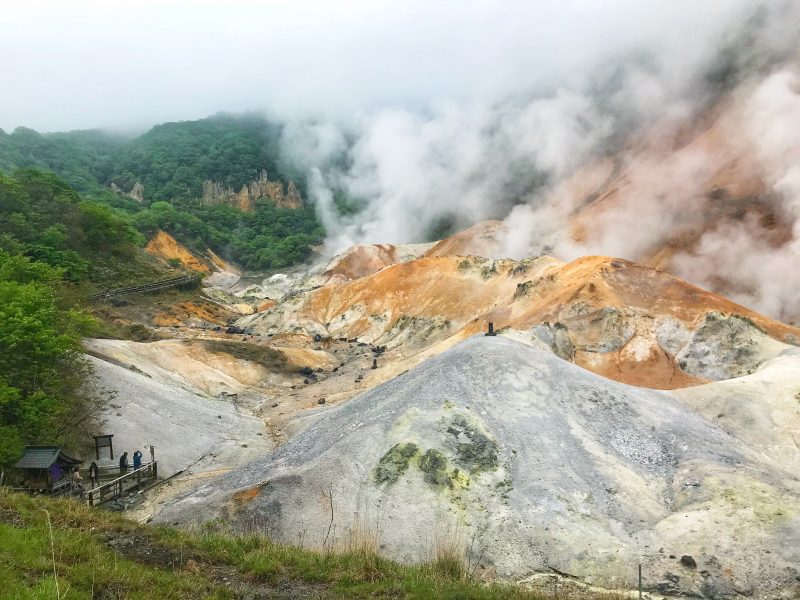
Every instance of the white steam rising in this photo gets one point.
(763, 272)
(633, 119)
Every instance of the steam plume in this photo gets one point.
(658, 123)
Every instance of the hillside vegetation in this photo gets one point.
(172, 160)
(62, 549)
(43, 218)
(169, 163)
(82, 158)
(55, 248)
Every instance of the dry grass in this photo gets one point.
(269, 358)
(362, 539)
(449, 554)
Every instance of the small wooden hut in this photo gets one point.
(47, 469)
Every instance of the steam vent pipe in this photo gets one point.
(491, 329)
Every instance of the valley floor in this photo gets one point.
(541, 442)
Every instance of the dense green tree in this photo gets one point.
(173, 159)
(48, 221)
(41, 369)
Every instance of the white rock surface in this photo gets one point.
(548, 466)
(185, 428)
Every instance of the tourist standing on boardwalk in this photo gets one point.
(93, 475)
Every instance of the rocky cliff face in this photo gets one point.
(616, 318)
(136, 192)
(258, 189)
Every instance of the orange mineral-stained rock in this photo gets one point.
(365, 259)
(482, 239)
(265, 305)
(163, 245)
(184, 312)
(360, 261)
(611, 314)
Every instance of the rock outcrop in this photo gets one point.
(362, 260)
(136, 192)
(482, 239)
(260, 188)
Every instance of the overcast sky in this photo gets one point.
(121, 63)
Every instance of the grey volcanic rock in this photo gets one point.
(726, 346)
(555, 337)
(548, 466)
(186, 429)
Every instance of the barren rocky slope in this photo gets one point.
(548, 466)
(625, 321)
(529, 444)
(187, 429)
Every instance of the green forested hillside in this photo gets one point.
(45, 219)
(84, 159)
(53, 245)
(171, 161)
(267, 237)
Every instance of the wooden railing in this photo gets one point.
(148, 288)
(62, 486)
(115, 488)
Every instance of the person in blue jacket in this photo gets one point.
(137, 460)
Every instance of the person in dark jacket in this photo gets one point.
(137, 460)
(94, 475)
(123, 463)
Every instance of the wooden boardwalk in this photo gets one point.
(149, 288)
(136, 479)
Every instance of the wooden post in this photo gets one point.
(110, 445)
(640, 581)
